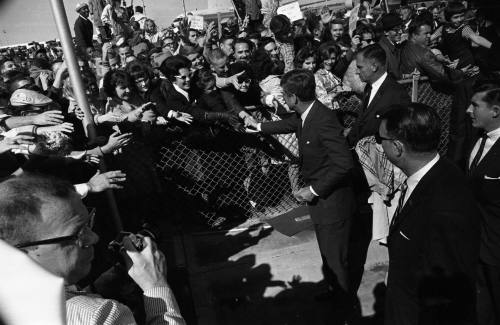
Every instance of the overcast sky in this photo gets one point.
(23, 21)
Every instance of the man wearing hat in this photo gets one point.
(392, 26)
(84, 30)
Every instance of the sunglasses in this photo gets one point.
(79, 237)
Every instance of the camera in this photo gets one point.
(115, 247)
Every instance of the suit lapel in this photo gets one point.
(379, 94)
(492, 155)
(418, 195)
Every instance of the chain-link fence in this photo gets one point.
(230, 175)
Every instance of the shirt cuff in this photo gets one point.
(312, 191)
(171, 113)
(258, 127)
(82, 189)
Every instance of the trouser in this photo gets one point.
(488, 294)
(333, 242)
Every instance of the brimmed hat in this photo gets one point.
(391, 20)
(23, 97)
(80, 5)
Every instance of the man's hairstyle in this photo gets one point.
(21, 201)
(302, 56)
(453, 8)
(171, 66)
(244, 41)
(491, 92)
(139, 9)
(301, 83)
(337, 21)
(374, 52)
(215, 55)
(415, 25)
(112, 79)
(203, 77)
(417, 125)
(364, 29)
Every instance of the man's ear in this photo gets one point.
(399, 147)
(495, 109)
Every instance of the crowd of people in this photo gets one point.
(147, 86)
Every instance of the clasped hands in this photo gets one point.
(304, 194)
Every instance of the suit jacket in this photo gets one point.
(393, 56)
(433, 251)
(325, 161)
(173, 99)
(484, 182)
(367, 123)
(84, 31)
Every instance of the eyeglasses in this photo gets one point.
(183, 77)
(379, 138)
(80, 238)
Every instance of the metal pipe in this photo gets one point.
(74, 70)
(76, 80)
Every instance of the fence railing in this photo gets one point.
(230, 175)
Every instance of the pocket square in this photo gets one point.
(307, 142)
(491, 178)
(404, 236)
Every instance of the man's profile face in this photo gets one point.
(423, 36)
(65, 217)
(241, 52)
(480, 112)
(364, 68)
(290, 99)
(227, 47)
(220, 67)
(337, 30)
(272, 50)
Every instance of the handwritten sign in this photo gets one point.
(196, 22)
(292, 11)
(353, 19)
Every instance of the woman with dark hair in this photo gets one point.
(327, 84)
(176, 88)
(140, 196)
(305, 59)
(282, 30)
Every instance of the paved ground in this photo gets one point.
(256, 275)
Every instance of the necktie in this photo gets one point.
(403, 189)
(366, 93)
(479, 153)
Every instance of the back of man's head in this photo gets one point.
(416, 125)
(301, 83)
(374, 52)
(21, 201)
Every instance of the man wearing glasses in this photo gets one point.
(45, 218)
(433, 237)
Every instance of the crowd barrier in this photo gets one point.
(254, 176)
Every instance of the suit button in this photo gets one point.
(307, 142)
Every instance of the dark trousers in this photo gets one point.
(333, 242)
(488, 297)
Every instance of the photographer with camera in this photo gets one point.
(46, 218)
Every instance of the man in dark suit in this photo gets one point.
(434, 235)
(392, 26)
(484, 179)
(381, 91)
(325, 163)
(84, 29)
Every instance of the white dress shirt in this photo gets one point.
(376, 86)
(415, 178)
(303, 116)
(490, 141)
